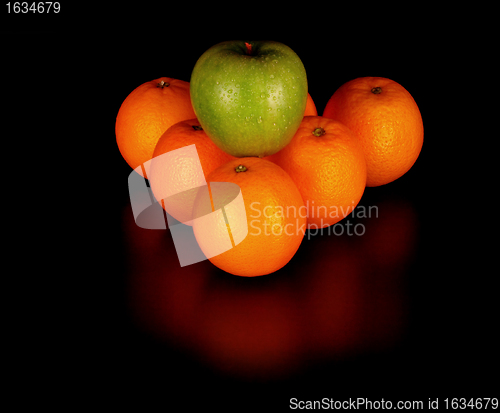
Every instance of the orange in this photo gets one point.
(326, 162)
(147, 112)
(310, 107)
(275, 218)
(385, 117)
(177, 175)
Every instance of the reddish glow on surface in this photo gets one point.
(344, 296)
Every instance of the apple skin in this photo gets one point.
(250, 100)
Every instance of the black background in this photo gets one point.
(72, 75)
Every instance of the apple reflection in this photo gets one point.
(339, 297)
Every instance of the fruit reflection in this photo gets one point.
(250, 334)
(340, 296)
(333, 299)
(163, 297)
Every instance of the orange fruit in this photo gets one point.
(147, 112)
(310, 107)
(175, 179)
(385, 117)
(275, 218)
(326, 162)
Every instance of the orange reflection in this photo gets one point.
(164, 297)
(333, 299)
(250, 334)
(340, 296)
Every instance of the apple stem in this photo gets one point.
(240, 168)
(249, 48)
(376, 90)
(197, 127)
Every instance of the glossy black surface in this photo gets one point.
(403, 312)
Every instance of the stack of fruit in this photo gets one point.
(248, 111)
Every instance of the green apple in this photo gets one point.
(249, 97)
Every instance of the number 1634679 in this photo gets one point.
(34, 7)
(479, 403)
